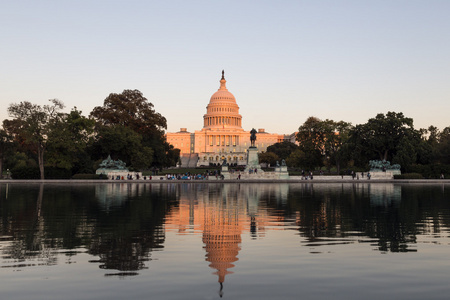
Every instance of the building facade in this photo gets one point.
(222, 136)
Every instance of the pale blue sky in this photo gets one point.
(284, 60)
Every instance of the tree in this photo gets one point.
(302, 159)
(283, 149)
(5, 146)
(444, 146)
(68, 142)
(131, 109)
(311, 137)
(389, 137)
(335, 141)
(122, 143)
(269, 158)
(32, 125)
(324, 141)
(381, 134)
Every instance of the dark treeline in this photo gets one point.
(340, 146)
(44, 142)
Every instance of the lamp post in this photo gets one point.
(7, 173)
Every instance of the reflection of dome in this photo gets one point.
(222, 110)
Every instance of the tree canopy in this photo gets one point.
(32, 125)
(68, 144)
(131, 110)
(283, 149)
(321, 142)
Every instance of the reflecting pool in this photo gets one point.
(235, 241)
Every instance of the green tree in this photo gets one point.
(283, 149)
(335, 140)
(269, 158)
(382, 133)
(324, 141)
(32, 125)
(303, 159)
(311, 138)
(444, 146)
(68, 142)
(122, 143)
(5, 147)
(389, 137)
(132, 110)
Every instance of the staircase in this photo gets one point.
(189, 160)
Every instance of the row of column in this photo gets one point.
(233, 121)
(223, 140)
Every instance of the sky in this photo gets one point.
(284, 60)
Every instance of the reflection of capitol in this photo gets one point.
(221, 213)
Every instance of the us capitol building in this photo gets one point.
(222, 136)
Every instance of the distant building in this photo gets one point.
(222, 136)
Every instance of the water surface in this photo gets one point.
(236, 241)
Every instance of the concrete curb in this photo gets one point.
(165, 181)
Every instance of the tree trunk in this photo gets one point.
(41, 160)
(385, 155)
(380, 154)
(338, 167)
(1, 167)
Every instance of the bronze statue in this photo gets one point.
(253, 137)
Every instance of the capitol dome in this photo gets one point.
(222, 94)
(222, 110)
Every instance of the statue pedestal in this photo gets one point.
(281, 172)
(253, 161)
(224, 172)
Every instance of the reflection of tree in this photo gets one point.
(30, 234)
(37, 221)
(69, 217)
(125, 235)
(390, 215)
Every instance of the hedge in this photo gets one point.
(34, 173)
(89, 176)
(432, 171)
(25, 173)
(409, 176)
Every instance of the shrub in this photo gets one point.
(57, 173)
(34, 173)
(89, 176)
(409, 176)
(25, 173)
(432, 170)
